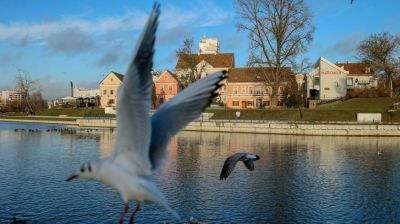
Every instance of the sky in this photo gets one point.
(58, 41)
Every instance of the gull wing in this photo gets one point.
(249, 164)
(175, 114)
(134, 103)
(230, 163)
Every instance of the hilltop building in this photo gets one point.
(330, 81)
(208, 46)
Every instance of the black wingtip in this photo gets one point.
(156, 7)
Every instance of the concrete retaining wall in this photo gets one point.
(274, 127)
(298, 128)
(267, 127)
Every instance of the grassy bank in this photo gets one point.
(343, 111)
(75, 112)
(38, 118)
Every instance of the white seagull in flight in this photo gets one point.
(141, 142)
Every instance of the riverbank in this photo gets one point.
(255, 126)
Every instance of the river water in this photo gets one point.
(299, 179)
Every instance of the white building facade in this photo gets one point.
(332, 81)
(327, 81)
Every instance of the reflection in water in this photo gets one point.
(298, 178)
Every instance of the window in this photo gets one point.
(111, 101)
(349, 81)
(111, 92)
(258, 90)
(250, 103)
(162, 88)
(105, 92)
(326, 88)
(316, 81)
(224, 88)
(251, 90)
(244, 88)
(235, 90)
(170, 88)
(235, 103)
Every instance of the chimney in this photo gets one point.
(72, 89)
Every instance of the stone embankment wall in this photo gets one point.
(274, 127)
(266, 127)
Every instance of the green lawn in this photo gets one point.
(38, 118)
(75, 112)
(344, 111)
(382, 104)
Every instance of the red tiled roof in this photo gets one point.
(356, 68)
(252, 74)
(224, 60)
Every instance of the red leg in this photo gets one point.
(121, 220)
(132, 219)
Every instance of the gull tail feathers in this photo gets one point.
(159, 198)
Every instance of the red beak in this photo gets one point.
(72, 177)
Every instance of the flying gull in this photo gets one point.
(247, 158)
(141, 141)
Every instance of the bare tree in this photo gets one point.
(381, 51)
(279, 31)
(32, 96)
(193, 70)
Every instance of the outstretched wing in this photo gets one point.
(134, 102)
(230, 163)
(175, 114)
(249, 164)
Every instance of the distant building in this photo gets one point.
(249, 87)
(331, 81)
(360, 76)
(109, 88)
(167, 85)
(208, 46)
(203, 64)
(85, 97)
(8, 96)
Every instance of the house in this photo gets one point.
(327, 81)
(330, 81)
(203, 64)
(360, 75)
(109, 88)
(167, 85)
(250, 88)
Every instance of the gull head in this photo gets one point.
(88, 170)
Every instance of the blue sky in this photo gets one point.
(60, 41)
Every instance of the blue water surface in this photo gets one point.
(298, 179)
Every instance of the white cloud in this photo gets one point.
(198, 14)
